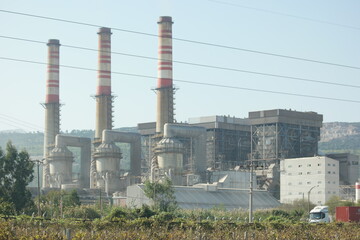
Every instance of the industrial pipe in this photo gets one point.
(199, 136)
(109, 136)
(63, 141)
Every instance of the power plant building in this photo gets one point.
(265, 136)
(279, 134)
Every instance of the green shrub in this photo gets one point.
(83, 212)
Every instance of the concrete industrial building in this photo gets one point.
(314, 178)
(227, 140)
(348, 167)
(278, 134)
(266, 136)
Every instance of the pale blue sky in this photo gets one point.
(261, 25)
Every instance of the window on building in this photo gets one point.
(333, 172)
(319, 172)
(290, 193)
(319, 164)
(308, 183)
(300, 165)
(309, 165)
(300, 183)
(319, 182)
(329, 164)
(290, 174)
(334, 165)
(300, 173)
(289, 184)
(329, 192)
(329, 172)
(289, 166)
(300, 193)
(328, 182)
(334, 182)
(308, 173)
(319, 192)
(355, 163)
(334, 192)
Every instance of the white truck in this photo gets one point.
(320, 214)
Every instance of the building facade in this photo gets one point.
(314, 179)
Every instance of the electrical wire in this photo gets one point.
(192, 82)
(284, 14)
(195, 64)
(188, 41)
(14, 120)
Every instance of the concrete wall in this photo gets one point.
(299, 175)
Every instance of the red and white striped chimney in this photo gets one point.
(165, 108)
(103, 90)
(52, 83)
(104, 71)
(52, 105)
(357, 192)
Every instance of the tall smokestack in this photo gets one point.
(103, 91)
(51, 105)
(165, 90)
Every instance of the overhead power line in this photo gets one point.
(285, 14)
(19, 125)
(18, 121)
(192, 82)
(197, 64)
(187, 40)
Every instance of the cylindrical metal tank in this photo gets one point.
(60, 166)
(170, 154)
(107, 157)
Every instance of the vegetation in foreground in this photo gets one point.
(63, 217)
(175, 228)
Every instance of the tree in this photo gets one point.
(16, 172)
(55, 202)
(71, 199)
(162, 194)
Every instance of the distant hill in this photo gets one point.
(340, 137)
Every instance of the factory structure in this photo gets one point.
(213, 153)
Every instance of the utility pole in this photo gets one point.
(101, 209)
(38, 162)
(251, 193)
(251, 177)
(38, 182)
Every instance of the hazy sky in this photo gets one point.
(322, 30)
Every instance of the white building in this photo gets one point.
(314, 178)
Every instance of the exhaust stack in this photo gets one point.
(103, 92)
(51, 105)
(165, 90)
